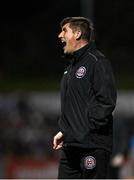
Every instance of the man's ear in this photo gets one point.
(77, 34)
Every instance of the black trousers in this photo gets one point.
(79, 163)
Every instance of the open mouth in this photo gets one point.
(63, 43)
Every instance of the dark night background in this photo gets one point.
(30, 50)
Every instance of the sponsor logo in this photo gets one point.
(89, 162)
(80, 73)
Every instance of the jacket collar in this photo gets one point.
(77, 54)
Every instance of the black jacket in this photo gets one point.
(88, 98)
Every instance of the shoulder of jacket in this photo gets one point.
(95, 55)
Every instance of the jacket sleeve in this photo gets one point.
(104, 92)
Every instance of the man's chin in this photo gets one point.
(67, 52)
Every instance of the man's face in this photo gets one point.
(67, 37)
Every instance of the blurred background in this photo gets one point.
(31, 68)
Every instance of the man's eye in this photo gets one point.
(64, 29)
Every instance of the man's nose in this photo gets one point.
(60, 35)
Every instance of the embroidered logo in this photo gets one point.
(65, 72)
(89, 162)
(80, 73)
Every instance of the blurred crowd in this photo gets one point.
(27, 131)
(24, 130)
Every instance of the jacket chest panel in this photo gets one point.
(77, 78)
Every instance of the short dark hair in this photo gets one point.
(84, 24)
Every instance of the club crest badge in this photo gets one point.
(89, 162)
(80, 73)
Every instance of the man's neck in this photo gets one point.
(80, 45)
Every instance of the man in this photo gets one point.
(88, 98)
